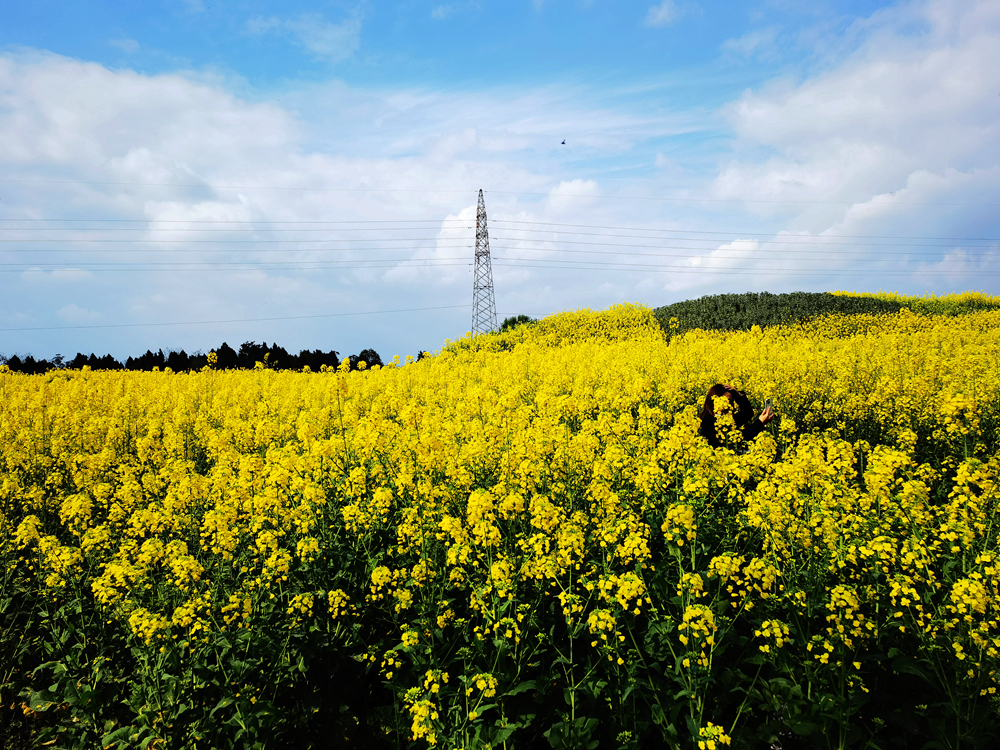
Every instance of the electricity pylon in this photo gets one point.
(484, 307)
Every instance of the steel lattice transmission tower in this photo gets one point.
(484, 306)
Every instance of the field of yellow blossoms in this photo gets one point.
(519, 542)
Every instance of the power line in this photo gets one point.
(589, 263)
(530, 264)
(770, 249)
(746, 271)
(144, 241)
(734, 252)
(705, 251)
(390, 263)
(761, 234)
(147, 220)
(525, 263)
(229, 251)
(440, 243)
(203, 230)
(204, 270)
(159, 252)
(523, 244)
(738, 200)
(154, 265)
(205, 186)
(685, 199)
(737, 238)
(465, 225)
(241, 320)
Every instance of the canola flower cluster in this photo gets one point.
(952, 303)
(519, 539)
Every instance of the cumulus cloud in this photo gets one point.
(895, 136)
(725, 257)
(758, 43)
(896, 142)
(73, 313)
(664, 14)
(333, 42)
(961, 261)
(128, 46)
(179, 151)
(446, 10)
(571, 195)
(900, 103)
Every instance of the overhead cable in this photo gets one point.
(238, 320)
(550, 194)
(466, 224)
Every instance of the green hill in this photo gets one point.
(740, 312)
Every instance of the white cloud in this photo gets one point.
(451, 247)
(571, 195)
(664, 14)
(899, 105)
(73, 313)
(758, 43)
(963, 263)
(37, 275)
(55, 111)
(884, 137)
(333, 42)
(158, 147)
(669, 167)
(70, 274)
(128, 46)
(726, 256)
(441, 12)
(260, 25)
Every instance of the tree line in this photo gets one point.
(740, 312)
(226, 358)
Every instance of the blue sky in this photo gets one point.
(236, 161)
(438, 44)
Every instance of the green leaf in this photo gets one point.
(119, 735)
(524, 686)
(221, 704)
(692, 726)
(905, 665)
(656, 713)
(41, 701)
(48, 665)
(804, 728)
(70, 694)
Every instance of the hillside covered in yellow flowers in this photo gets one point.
(518, 542)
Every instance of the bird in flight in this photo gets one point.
(564, 142)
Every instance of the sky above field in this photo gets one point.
(179, 173)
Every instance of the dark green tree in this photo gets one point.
(515, 321)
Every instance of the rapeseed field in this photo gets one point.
(518, 542)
